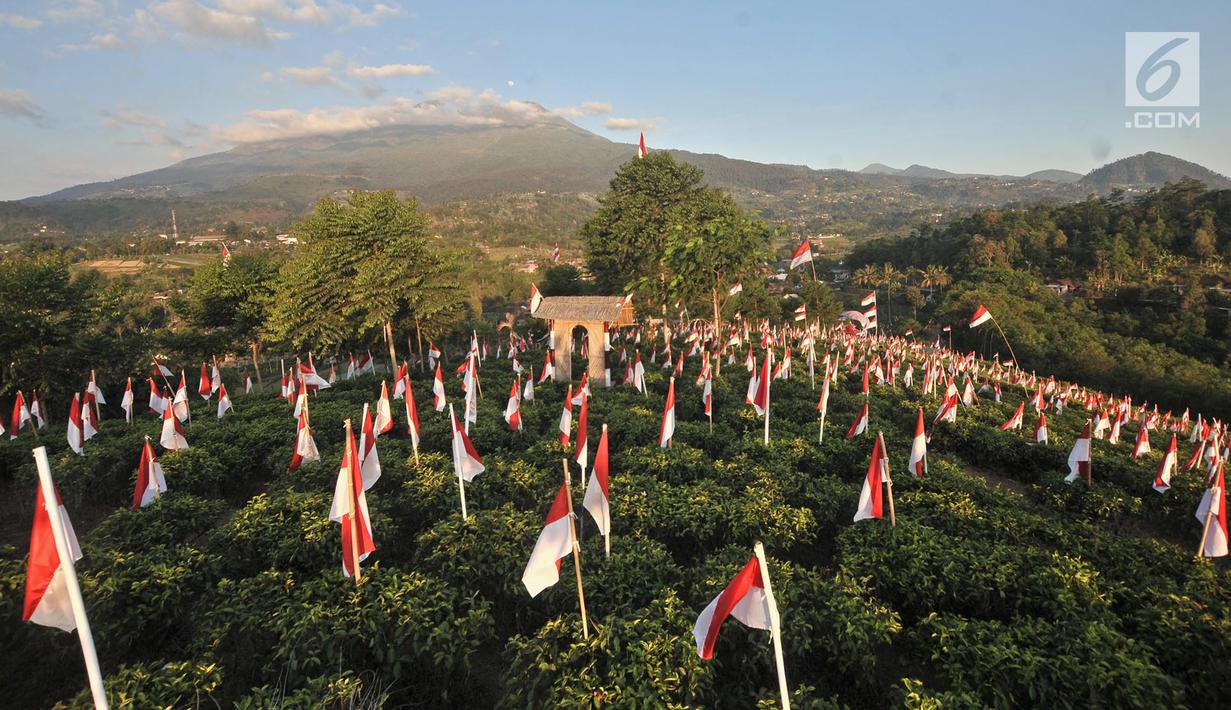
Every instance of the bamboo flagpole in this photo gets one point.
(880, 439)
(65, 553)
(354, 503)
(775, 625)
(581, 594)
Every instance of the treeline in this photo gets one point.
(1123, 294)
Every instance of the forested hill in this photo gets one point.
(1127, 294)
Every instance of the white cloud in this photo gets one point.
(121, 117)
(296, 11)
(18, 103)
(196, 20)
(20, 22)
(104, 41)
(630, 124)
(386, 71)
(589, 108)
(453, 105)
(76, 11)
(359, 18)
(311, 76)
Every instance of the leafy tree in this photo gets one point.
(231, 300)
(564, 280)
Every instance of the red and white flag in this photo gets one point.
(76, 430)
(554, 544)
(157, 402)
(204, 388)
(350, 508)
(667, 430)
(1142, 445)
(760, 400)
(1015, 421)
(162, 370)
(536, 298)
(581, 452)
(226, 253)
(150, 482)
(438, 391)
(1040, 430)
(868, 300)
(369, 461)
(566, 418)
(93, 388)
(180, 403)
(860, 425)
(598, 499)
(870, 498)
(224, 401)
(802, 255)
(512, 410)
(918, 463)
(466, 461)
(366, 363)
(641, 151)
(1079, 457)
(745, 597)
(37, 411)
(981, 316)
(555, 253)
(737, 288)
(384, 411)
(1214, 506)
(399, 382)
(305, 445)
(412, 415)
(247, 382)
(21, 415)
(1166, 467)
(47, 593)
(126, 402)
(172, 438)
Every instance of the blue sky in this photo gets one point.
(97, 89)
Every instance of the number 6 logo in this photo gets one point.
(1162, 69)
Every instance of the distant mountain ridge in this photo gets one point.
(929, 173)
(1152, 169)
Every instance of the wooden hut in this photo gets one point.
(596, 314)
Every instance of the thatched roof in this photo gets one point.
(616, 310)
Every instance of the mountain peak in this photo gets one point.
(1152, 169)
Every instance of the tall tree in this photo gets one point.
(230, 300)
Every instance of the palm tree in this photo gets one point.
(891, 279)
(510, 320)
(866, 275)
(935, 276)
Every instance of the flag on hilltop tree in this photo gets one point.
(918, 463)
(554, 544)
(981, 316)
(172, 437)
(745, 598)
(47, 596)
(350, 509)
(204, 388)
(21, 415)
(597, 499)
(76, 433)
(1212, 512)
(802, 255)
(871, 505)
(224, 401)
(1079, 457)
(1166, 467)
(369, 461)
(667, 431)
(126, 402)
(150, 481)
(860, 425)
(384, 411)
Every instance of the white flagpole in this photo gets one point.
(461, 485)
(775, 625)
(70, 574)
(769, 353)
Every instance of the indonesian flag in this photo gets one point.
(1079, 457)
(76, 432)
(350, 508)
(737, 288)
(412, 415)
(369, 462)
(204, 389)
(1015, 421)
(554, 544)
(802, 255)
(512, 410)
(744, 598)
(162, 370)
(366, 364)
(47, 596)
(384, 411)
(860, 425)
(88, 430)
(350, 367)
(172, 438)
(1040, 430)
(918, 463)
(438, 391)
(536, 298)
(667, 431)
(224, 401)
(581, 454)
(801, 313)
(1166, 467)
(1142, 446)
(641, 151)
(566, 418)
(527, 393)
(92, 388)
(555, 253)
(948, 410)
(466, 461)
(150, 482)
(21, 415)
(305, 445)
(1215, 498)
(247, 382)
(868, 300)
(870, 503)
(433, 353)
(981, 316)
(582, 392)
(215, 376)
(598, 498)
(180, 403)
(760, 400)
(822, 404)
(37, 411)
(399, 382)
(707, 396)
(639, 375)
(549, 368)
(126, 402)
(307, 373)
(157, 403)
(226, 253)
